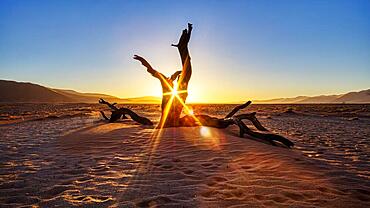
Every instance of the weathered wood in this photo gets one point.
(206, 120)
(253, 119)
(238, 108)
(117, 113)
(104, 116)
(264, 136)
(102, 101)
(176, 106)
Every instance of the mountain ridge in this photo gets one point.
(362, 96)
(26, 92)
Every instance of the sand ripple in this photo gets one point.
(126, 165)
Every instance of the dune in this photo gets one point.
(126, 165)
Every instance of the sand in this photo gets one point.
(127, 165)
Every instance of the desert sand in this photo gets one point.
(97, 164)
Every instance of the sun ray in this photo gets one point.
(166, 112)
(188, 110)
(175, 94)
(155, 138)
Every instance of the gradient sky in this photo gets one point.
(240, 49)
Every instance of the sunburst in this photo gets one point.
(175, 94)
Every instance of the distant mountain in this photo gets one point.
(85, 97)
(351, 97)
(283, 100)
(355, 97)
(12, 91)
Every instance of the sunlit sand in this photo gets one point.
(128, 104)
(80, 161)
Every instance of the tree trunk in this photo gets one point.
(172, 118)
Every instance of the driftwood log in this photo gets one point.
(232, 119)
(269, 137)
(118, 113)
(206, 120)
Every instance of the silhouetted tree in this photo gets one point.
(172, 105)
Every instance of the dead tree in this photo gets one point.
(167, 87)
(176, 106)
(230, 119)
(117, 113)
(172, 105)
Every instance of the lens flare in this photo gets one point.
(205, 132)
(191, 112)
(174, 93)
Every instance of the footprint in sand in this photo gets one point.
(294, 196)
(55, 190)
(208, 194)
(259, 197)
(167, 166)
(150, 202)
(206, 165)
(246, 167)
(219, 179)
(21, 199)
(279, 199)
(188, 171)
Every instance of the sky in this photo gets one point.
(240, 50)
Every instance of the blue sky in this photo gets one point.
(240, 49)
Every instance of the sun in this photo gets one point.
(174, 92)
